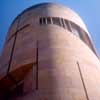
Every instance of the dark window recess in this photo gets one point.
(75, 29)
(56, 21)
(67, 25)
(63, 22)
(41, 21)
(48, 20)
(18, 91)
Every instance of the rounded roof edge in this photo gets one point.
(42, 4)
(49, 4)
(35, 6)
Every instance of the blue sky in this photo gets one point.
(87, 9)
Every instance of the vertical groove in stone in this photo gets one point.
(37, 66)
(12, 51)
(82, 81)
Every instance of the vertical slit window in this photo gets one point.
(75, 29)
(51, 21)
(48, 20)
(81, 33)
(56, 21)
(41, 22)
(67, 25)
(62, 22)
(44, 20)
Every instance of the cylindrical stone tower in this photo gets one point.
(48, 55)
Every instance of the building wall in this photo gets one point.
(50, 61)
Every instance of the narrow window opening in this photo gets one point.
(48, 20)
(56, 21)
(75, 29)
(41, 21)
(62, 22)
(51, 21)
(67, 25)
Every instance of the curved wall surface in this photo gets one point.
(48, 55)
